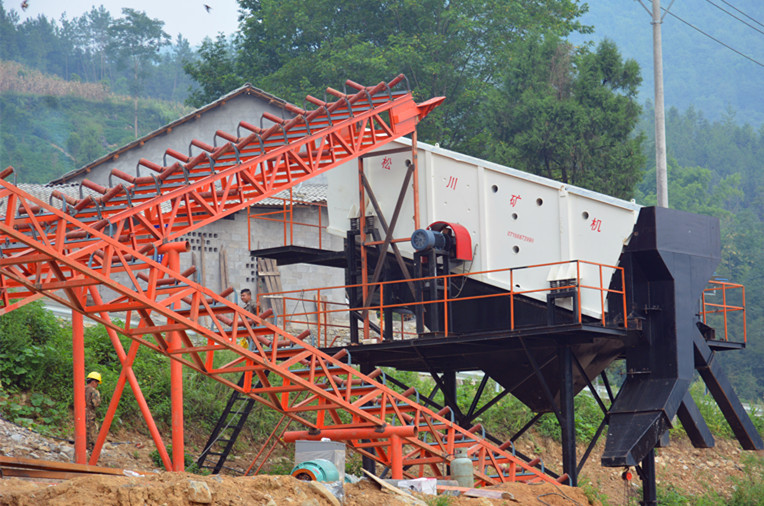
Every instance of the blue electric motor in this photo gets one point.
(316, 470)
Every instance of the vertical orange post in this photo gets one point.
(396, 457)
(318, 319)
(745, 328)
(724, 311)
(78, 361)
(172, 250)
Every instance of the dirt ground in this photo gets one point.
(180, 489)
(691, 470)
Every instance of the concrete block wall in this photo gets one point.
(231, 236)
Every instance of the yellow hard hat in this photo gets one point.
(96, 376)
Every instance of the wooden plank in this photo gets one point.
(6, 472)
(386, 486)
(18, 463)
(477, 492)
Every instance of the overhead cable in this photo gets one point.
(743, 13)
(716, 40)
(732, 15)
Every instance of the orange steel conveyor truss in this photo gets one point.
(118, 247)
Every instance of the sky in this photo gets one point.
(189, 17)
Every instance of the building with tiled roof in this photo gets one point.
(222, 251)
(242, 104)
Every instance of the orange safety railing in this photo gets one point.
(727, 313)
(285, 216)
(329, 317)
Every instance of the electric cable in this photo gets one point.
(732, 15)
(716, 40)
(741, 12)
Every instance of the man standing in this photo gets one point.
(248, 305)
(92, 401)
(246, 299)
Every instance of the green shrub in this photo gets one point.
(749, 490)
(592, 492)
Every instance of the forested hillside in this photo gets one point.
(716, 71)
(128, 55)
(52, 126)
(522, 89)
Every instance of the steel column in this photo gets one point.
(396, 457)
(78, 361)
(173, 250)
(649, 489)
(567, 414)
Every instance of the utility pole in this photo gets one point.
(661, 178)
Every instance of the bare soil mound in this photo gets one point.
(181, 489)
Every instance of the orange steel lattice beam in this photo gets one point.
(285, 366)
(172, 200)
(111, 243)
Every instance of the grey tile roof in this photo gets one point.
(301, 194)
(43, 192)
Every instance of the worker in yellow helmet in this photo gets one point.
(92, 401)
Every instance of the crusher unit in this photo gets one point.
(535, 285)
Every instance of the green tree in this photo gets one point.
(451, 48)
(9, 20)
(136, 40)
(95, 33)
(214, 71)
(569, 114)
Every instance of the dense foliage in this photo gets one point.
(717, 71)
(129, 55)
(568, 114)
(52, 135)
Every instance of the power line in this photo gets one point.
(732, 15)
(715, 39)
(741, 12)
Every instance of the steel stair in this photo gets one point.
(225, 433)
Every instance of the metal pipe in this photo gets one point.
(352, 434)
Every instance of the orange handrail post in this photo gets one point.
(602, 296)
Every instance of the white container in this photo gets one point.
(515, 219)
